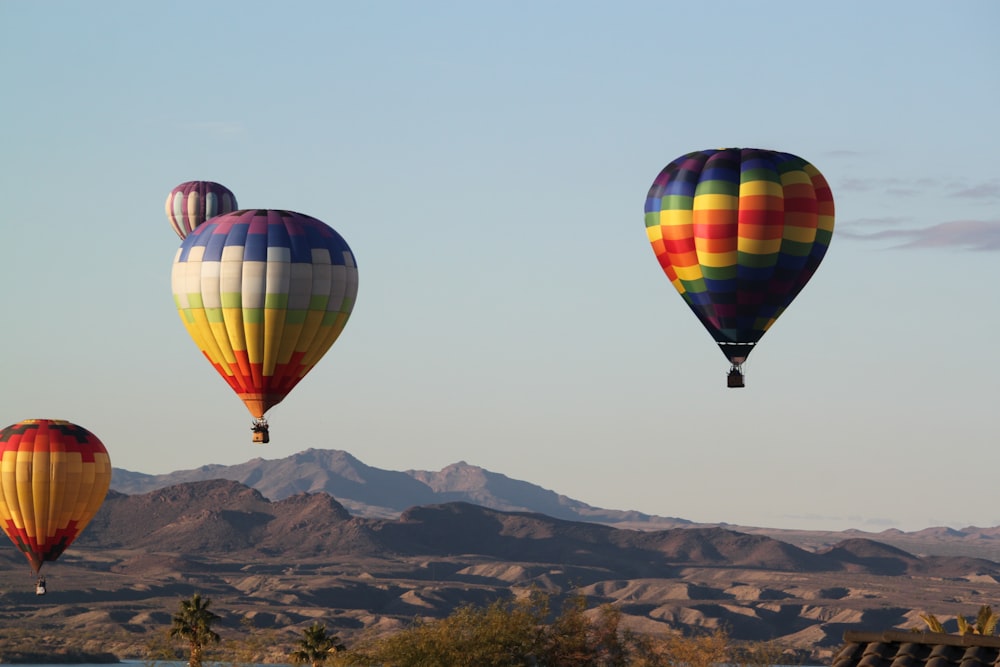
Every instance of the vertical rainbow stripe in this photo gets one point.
(193, 202)
(739, 232)
(54, 476)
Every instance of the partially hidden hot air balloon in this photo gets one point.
(192, 203)
(739, 232)
(54, 476)
(264, 294)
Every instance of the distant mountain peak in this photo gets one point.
(376, 493)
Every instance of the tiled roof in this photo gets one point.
(898, 648)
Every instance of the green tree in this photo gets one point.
(502, 634)
(524, 633)
(703, 650)
(193, 623)
(316, 646)
(575, 640)
(506, 634)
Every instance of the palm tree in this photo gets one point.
(194, 623)
(987, 620)
(316, 646)
(985, 624)
(933, 624)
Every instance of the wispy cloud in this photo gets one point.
(909, 186)
(859, 185)
(988, 190)
(862, 228)
(983, 235)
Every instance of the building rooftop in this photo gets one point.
(899, 648)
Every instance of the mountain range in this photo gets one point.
(321, 536)
(373, 492)
(221, 516)
(376, 493)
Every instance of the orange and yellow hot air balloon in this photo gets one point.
(54, 476)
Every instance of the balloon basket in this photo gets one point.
(260, 431)
(735, 379)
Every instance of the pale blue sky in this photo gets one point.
(488, 164)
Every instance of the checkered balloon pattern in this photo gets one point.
(739, 232)
(264, 294)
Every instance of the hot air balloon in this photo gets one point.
(264, 294)
(739, 232)
(53, 478)
(192, 203)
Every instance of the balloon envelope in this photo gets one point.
(264, 294)
(739, 232)
(192, 203)
(54, 476)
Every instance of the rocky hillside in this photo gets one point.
(225, 517)
(275, 566)
(375, 493)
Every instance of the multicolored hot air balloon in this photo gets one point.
(739, 232)
(264, 294)
(192, 203)
(54, 476)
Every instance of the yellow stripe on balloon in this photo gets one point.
(676, 219)
(761, 188)
(717, 260)
(715, 202)
(290, 337)
(758, 246)
(689, 273)
(235, 334)
(795, 177)
(274, 324)
(255, 333)
(223, 346)
(799, 234)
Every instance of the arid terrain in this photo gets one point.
(274, 562)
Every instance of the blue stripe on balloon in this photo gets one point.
(791, 262)
(303, 242)
(754, 273)
(277, 235)
(720, 287)
(255, 248)
(213, 249)
(237, 234)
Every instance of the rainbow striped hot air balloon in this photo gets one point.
(264, 294)
(193, 202)
(739, 232)
(54, 476)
